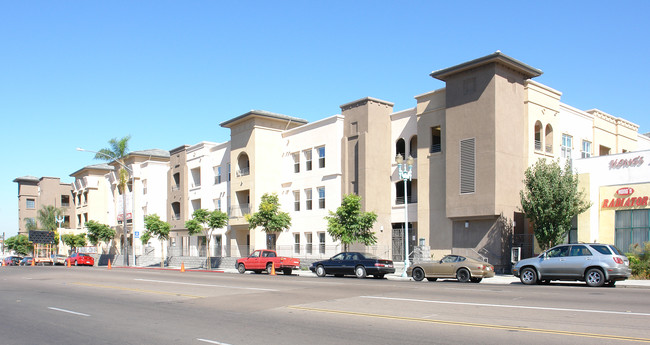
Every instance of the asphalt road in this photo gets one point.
(91, 305)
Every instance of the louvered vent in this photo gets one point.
(467, 166)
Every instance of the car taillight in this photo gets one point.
(618, 260)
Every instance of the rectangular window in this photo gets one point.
(296, 200)
(65, 200)
(144, 186)
(321, 156)
(217, 175)
(436, 139)
(228, 172)
(309, 243)
(296, 243)
(321, 197)
(567, 144)
(321, 243)
(296, 162)
(308, 199)
(467, 166)
(217, 204)
(196, 177)
(632, 228)
(586, 149)
(31, 204)
(307, 154)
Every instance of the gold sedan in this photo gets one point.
(452, 266)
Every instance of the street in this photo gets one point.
(67, 305)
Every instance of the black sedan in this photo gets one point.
(353, 263)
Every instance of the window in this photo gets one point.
(413, 147)
(176, 210)
(467, 166)
(436, 140)
(177, 181)
(217, 204)
(632, 228)
(296, 243)
(307, 154)
(144, 186)
(538, 136)
(196, 177)
(586, 149)
(65, 200)
(567, 144)
(321, 197)
(580, 251)
(400, 148)
(31, 204)
(321, 156)
(217, 175)
(309, 244)
(308, 199)
(228, 172)
(604, 150)
(296, 200)
(548, 139)
(296, 162)
(321, 243)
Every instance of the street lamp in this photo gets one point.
(126, 241)
(405, 172)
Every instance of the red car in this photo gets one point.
(80, 259)
(11, 260)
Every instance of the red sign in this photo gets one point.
(625, 191)
(625, 202)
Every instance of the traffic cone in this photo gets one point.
(109, 264)
(68, 262)
(182, 267)
(272, 268)
(33, 261)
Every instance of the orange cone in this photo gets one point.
(33, 261)
(273, 268)
(68, 263)
(182, 267)
(109, 264)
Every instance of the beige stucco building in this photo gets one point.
(34, 193)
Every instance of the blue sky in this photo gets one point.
(78, 73)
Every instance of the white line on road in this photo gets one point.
(211, 341)
(68, 311)
(509, 306)
(207, 285)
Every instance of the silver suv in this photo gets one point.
(595, 264)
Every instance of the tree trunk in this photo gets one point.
(207, 251)
(162, 256)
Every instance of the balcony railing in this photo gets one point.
(243, 172)
(549, 148)
(538, 145)
(239, 211)
(412, 199)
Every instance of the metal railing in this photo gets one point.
(412, 199)
(239, 211)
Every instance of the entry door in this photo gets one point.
(398, 241)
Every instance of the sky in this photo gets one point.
(167, 73)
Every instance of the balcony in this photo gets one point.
(243, 172)
(239, 211)
(412, 199)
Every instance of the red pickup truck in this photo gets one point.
(264, 259)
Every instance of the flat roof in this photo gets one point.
(262, 113)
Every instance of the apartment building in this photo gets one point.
(34, 193)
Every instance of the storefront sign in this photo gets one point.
(626, 163)
(626, 201)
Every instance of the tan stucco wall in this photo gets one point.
(607, 215)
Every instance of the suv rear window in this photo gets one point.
(616, 250)
(602, 249)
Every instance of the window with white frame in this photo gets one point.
(321, 156)
(567, 144)
(144, 186)
(308, 243)
(296, 243)
(296, 162)
(321, 243)
(321, 197)
(228, 172)
(31, 204)
(308, 199)
(217, 175)
(307, 154)
(586, 149)
(296, 200)
(217, 204)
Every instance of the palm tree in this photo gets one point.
(47, 216)
(117, 151)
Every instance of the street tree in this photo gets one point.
(158, 228)
(269, 216)
(550, 199)
(204, 221)
(349, 224)
(19, 244)
(74, 241)
(47, 216)
(98, 232)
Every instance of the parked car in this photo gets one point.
(12, 260)
(26, 261)
(594, 263)
(266, 259)
(353, 263)
(58, 259)
(77, 259)
(452, 266)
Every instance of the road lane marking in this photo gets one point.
(477, 325)
(138, 290)
(509, 306)
(211, 341)
(205, 285)
(68, 311)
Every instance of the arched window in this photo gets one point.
(538, 136)
(413, 146)
(548, 139)
(400, 147)
(243, 165)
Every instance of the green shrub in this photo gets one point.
(640, 260)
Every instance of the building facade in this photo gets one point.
(34, 193)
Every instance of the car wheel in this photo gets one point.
(528, 276)
(418, 274)
(432, 279)
(360, 272)
(595, 277)
(269, 268)
(286, 271)
(476, 280)
(241, 268)
(463, 275)
(320, 271)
